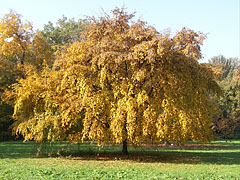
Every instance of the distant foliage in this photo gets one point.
(227, 123)
(64, 32)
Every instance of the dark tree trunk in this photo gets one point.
(124, 148)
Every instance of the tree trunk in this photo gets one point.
(124, 148)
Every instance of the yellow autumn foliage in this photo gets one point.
(124, 82)
(20, 48)
(19, 44)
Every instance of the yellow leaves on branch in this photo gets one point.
(124, 82)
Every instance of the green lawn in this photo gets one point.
(217, 160)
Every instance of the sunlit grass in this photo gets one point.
(217, 160)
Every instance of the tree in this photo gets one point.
(64, 32)
(125, 83)
(19, 47)
(227, 122)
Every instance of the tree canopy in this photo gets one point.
(228, 121)
(229, 103)
(64, 32)
(125, 82)
(19, 47)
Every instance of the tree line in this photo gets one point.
(112, 79)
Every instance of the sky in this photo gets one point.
(219, 19)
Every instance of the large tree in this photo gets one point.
(125, 83)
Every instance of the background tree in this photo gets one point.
(64, 32)
(125, 83)
(19, 46)
(228, 122)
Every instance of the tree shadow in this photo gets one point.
(224, 158)
(187, 154)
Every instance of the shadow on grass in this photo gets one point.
(215, 153)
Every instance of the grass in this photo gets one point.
(217, 160)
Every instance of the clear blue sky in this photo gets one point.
(218, 18)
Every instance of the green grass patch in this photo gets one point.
(216, 160)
